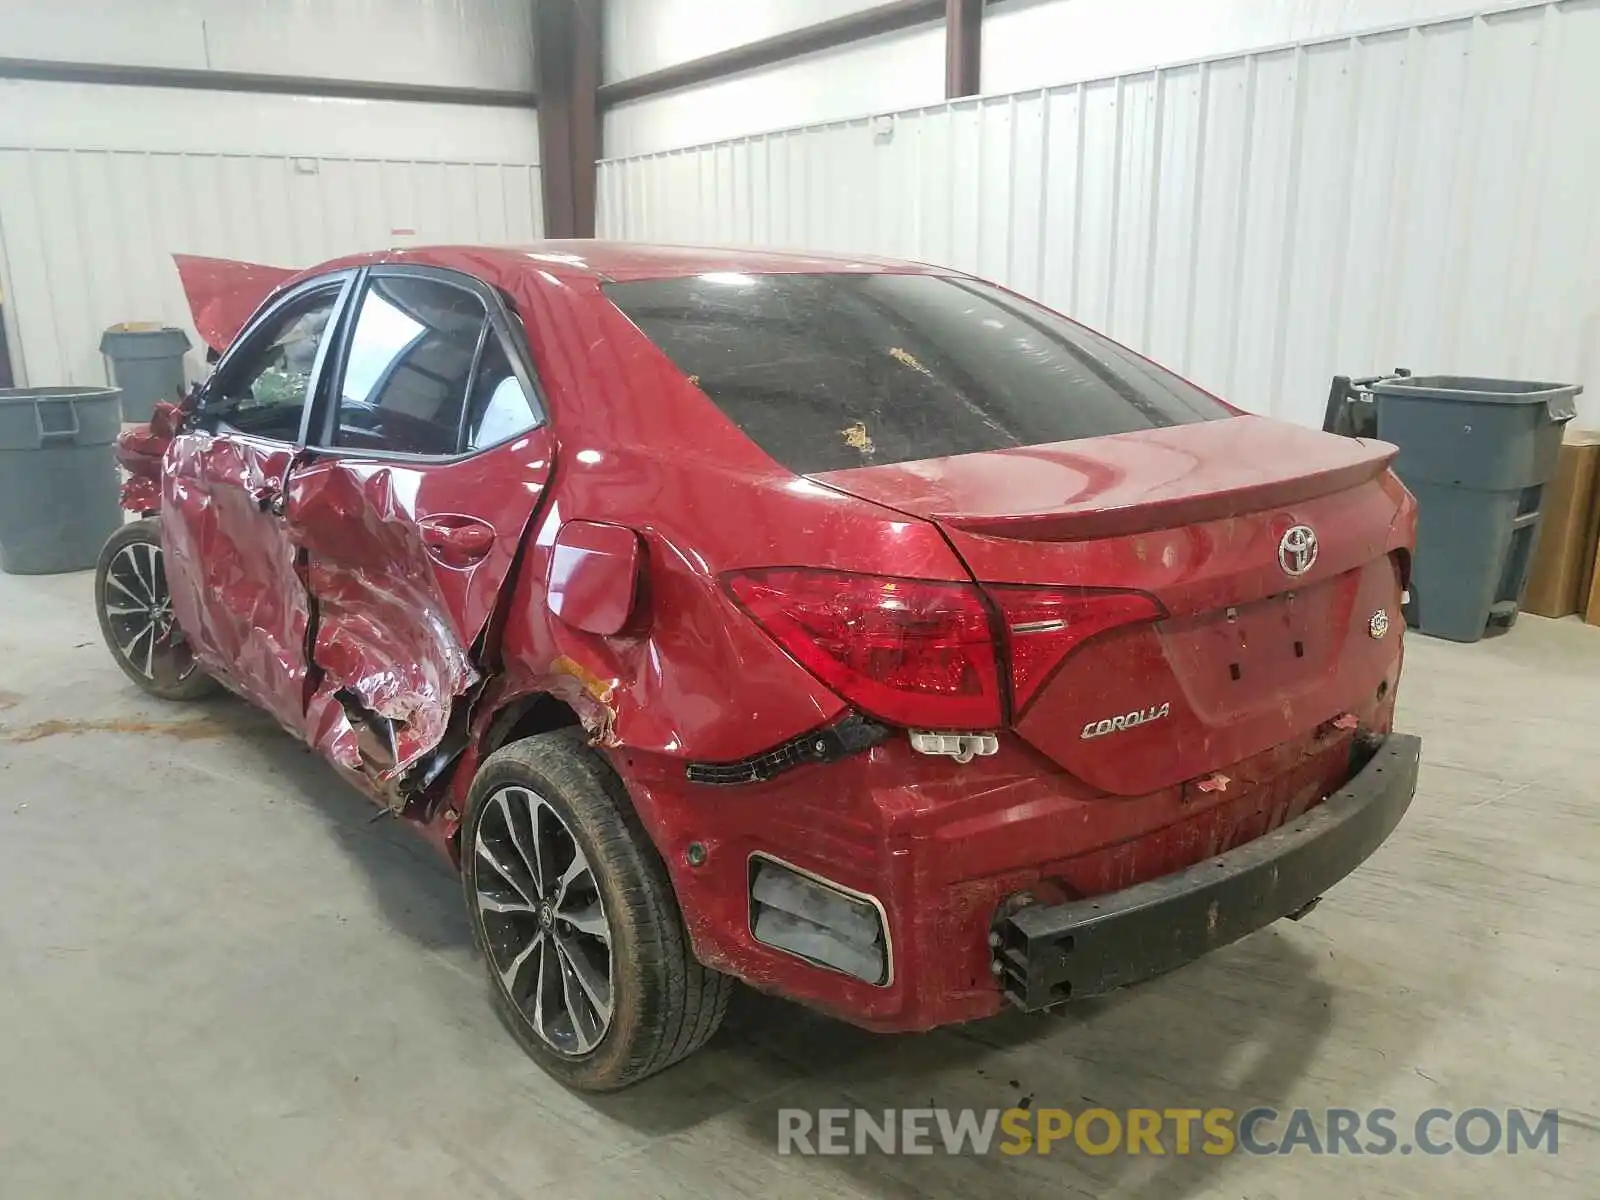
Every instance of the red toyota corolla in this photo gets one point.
(857, 629)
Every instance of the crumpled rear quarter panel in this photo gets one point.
(642, 447)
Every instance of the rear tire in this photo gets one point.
(134, 604)
(560, 877)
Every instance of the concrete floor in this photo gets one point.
(219, 977)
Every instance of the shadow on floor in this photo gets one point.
(772, 1054)
(1240, 1050)
(416, 890)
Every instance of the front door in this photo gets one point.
(423, 469)
(236, 590)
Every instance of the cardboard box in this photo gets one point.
(1589, 590)
(1561, 577)
(1591, 579)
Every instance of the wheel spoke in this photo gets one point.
(590, 920)
(595, 986)
(128, 649)
(514, 968)
(495, 905)
(487, 855)
(578, 867)
(137, 570)
(544, 990)
(544, 842)
(175, 663)
(158, 576)
(150, 570)
(118, 610)
(530, 859)
(588, 1023)
(114, 581)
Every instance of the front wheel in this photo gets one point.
(574, 914)
(135, 609)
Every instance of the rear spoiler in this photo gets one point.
(222, 293)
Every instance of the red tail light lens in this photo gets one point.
(1043, 625)
(907, 651)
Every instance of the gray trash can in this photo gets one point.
(1477, 454)
(147, 364)
(60, 495)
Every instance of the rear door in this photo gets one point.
(235, 588)
(423, 468)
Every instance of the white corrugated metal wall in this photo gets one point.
(99, 185)
(890, 71)
(1419, 197)
(89, 234)
(471, 43)
(1026, 44)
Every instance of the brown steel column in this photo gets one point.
(566, 50)
(782, 47)
(963, 47)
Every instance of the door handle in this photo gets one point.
(457, 545)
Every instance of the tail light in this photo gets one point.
(924, 654)
(1043, 625)
(907, 651)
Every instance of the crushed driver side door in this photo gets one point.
(423, 469)
(236, 587)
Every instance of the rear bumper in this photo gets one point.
(1051, 953)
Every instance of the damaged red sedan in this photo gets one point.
(857, 629)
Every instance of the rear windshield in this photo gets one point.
(826, 372)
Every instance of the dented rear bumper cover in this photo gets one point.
(1049, 953)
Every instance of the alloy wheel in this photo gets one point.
(138, 608)
(547, 935)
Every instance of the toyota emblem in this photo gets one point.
(1297, 551)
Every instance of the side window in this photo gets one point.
(411, 355)
(264, 390)
(499, 408)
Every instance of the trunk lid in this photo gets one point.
(1249, 655)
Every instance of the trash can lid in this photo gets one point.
(140, 340)
(1561, 399)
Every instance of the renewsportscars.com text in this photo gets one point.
(1167, 1131)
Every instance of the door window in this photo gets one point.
(499, 408)
(409, 365)
(264, 389)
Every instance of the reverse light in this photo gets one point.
(907, 651)
(1044, 625)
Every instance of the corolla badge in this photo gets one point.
(1297, 551)
(1125, 721)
